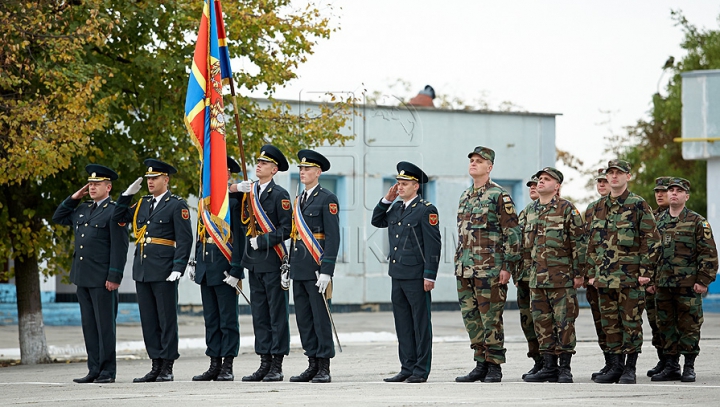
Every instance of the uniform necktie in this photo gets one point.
(152, 206)
(402, 208)
(92, 208)
(303, 200)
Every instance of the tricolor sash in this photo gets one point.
(220, 236)
(306, 234)
(264, 221)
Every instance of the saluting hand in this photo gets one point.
(392, 193)
(134, 187)
(80, 193)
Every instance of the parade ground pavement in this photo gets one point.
(369, 354)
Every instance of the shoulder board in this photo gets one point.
(177, 197)
(147, 196)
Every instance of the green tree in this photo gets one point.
(653, 152)
(104, 81)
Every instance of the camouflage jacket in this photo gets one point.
(488, 233)
(553, 243)
(659, 211)
(522, 272)
(688, 253)
(588, 220)
(622, 241)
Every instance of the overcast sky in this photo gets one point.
(577, 58)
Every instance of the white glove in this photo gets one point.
(190, 270)
(174, 276)
(285, 279)
(231, 281)
(254, 243)
(244, 186)
(322, 283)
(134, 187)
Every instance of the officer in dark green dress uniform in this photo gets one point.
(414, 237)
(163, 242)
(218, 278)
(263, 257)
(98, 262)
(316, 241)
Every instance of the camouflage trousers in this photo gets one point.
(680, 316)
(554, 311)
(621, 313)
(591, 294)
(526, 318)
(651, 312)
(481, 303)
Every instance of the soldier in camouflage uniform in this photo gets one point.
(687, 265)
(621, 255)
(591, 293)
(661, 186)
(554, 243)
(521, 277)
(488, 249)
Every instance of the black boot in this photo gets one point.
(323, 374)
(226, 371)
(152, 374)
(536, 367)
(494, 373)
(211, 373)
(605, 368)
(628, 376)
(564, 372)
(671, 371)
(265, 362)
(549, 372)
(479, 373)
(688, 374)
(660, 364)
(616, 370)
(309, 373)
(89, 378)
(166, 373)
(275, 374)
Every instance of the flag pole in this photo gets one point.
(252, 230)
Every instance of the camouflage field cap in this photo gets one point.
(679, 182)
(533, 180)
(553, 172)
(484, 152)
(600, 174)
(621, 165)
(661, 183)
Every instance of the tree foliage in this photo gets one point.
(653, 152)
(104, 81)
